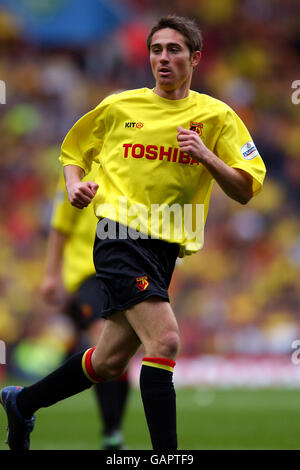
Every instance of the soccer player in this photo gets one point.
(70, 262)
(159, 148)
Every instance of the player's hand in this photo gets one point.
(81, 193)
(191, 143)
(49, 289)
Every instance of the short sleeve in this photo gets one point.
(237, 149)
(83, 143)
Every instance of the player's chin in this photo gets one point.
(167, 85)
(167, 79)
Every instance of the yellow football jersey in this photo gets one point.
(80, 226)
(133, 135)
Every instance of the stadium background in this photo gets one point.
(237, 301)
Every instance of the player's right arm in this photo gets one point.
(80, 193)
(81, 146)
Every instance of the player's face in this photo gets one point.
(171, 61)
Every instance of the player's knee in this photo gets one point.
(113, 373)
(110, 368)
(167, 345)
(170, 345)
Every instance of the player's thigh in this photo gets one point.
(94, 330)
(155, 324)
(117, 343)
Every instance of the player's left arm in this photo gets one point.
(236, 183)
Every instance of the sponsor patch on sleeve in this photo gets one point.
(249, 150)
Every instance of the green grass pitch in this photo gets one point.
(207, 419)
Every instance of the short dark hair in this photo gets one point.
(186, 26)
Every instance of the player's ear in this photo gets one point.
(196, 57)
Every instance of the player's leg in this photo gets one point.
(75, 375)
(156, 326)
(110, 395)
(136, 274)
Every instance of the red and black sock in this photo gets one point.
(159, 399)
(74, 376)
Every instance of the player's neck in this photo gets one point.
(175, 94)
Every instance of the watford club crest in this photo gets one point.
(196, 127)
(142, 282)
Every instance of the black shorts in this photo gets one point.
(130, 271)
(83, 307)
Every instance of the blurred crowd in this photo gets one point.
(240, 294)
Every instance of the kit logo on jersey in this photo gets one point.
(137, 125)
(196, 127)
(142, 282)
(249, 150)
